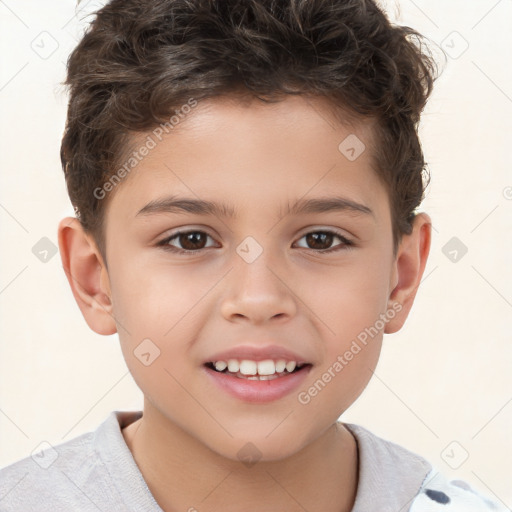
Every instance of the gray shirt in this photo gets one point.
(96, 472)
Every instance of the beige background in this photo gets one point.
(445, 377)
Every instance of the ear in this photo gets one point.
(87, 275)
(408, 269)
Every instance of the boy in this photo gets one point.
(245, 176)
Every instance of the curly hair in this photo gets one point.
(140, 60)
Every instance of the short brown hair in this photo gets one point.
(140, 60)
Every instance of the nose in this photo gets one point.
(256, 293)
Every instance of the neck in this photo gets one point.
(183, 474)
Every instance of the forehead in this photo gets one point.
(252, 152)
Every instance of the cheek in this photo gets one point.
(340, 383)
(347, 299)
(151, 298)
(351, 305)
(156, 315)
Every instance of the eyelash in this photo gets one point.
(345, 245)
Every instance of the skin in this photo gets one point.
(257, 159)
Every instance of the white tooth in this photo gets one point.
(221, 365)
(290, 366)
(233, 365)
(280, 365)
(265, 377)
(266, 367)
(248, 367)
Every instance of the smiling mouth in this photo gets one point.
(249, 372)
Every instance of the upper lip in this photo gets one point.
(257, 353)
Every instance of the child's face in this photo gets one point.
(256, 160)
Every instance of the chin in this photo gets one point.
(257, 446)
(251, 452)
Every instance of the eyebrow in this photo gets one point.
(174, 204)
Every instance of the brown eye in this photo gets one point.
(319, 240)
(192, 241)
(187, 241)
(322, 241)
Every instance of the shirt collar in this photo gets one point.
(387, 472)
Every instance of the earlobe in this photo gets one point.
(410, 264)
(87, 275)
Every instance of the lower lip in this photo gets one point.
(258, 391)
